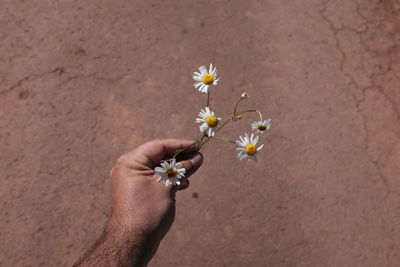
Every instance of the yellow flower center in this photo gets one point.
(170, 173)
(250, 149)
(212, 121)
(208, 79)
(262, 127)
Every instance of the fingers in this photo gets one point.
(191, 163)
(157, 150)
(170, 146)
(184, 183)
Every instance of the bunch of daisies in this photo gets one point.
(170, 172)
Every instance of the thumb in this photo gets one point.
(191, 162)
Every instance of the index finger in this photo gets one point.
(151, 153)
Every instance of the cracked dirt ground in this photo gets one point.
(82, 82)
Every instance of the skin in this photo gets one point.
(142, 209)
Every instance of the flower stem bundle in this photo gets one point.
(210, 125)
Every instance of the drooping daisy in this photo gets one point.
(204, 79)
(247, 149)
(261, 126)
(170, 173)
(209, 121)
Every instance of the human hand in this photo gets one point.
(142, 208)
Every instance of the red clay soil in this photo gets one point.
(82, 82)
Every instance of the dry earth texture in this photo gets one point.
(82, 82)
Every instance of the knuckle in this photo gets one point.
(121, 161)
(156, 141)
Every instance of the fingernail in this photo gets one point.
(196, 160)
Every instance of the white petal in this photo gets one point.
(213, 71)
(158, 173)
(203, 70)
(243, 156)
(201, 87)
(240, 143)
(165, 165)
(246, 138)
(197, 84)
(203, 127)
(260, 147)
(159, 169)
(210, 132)
(197, 78)
(168, 164)
(255, 140)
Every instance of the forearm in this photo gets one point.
(143, 210)
(118, 247)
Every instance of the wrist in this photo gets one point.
(138, 245)
(126, 230)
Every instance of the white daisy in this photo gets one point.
(261, 126)
(247, 147)
(170, 173)
(204, 79)
(209, 121)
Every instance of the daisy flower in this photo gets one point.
(209, 121)
(247, 147)
(261, 126)
(170, 173)
(204, 79)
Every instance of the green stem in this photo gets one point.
(249, 110)
(201, 140)
(222, 126)
(236, 106)
(259, 113)
(177, 152)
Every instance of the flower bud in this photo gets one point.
(244, 95)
